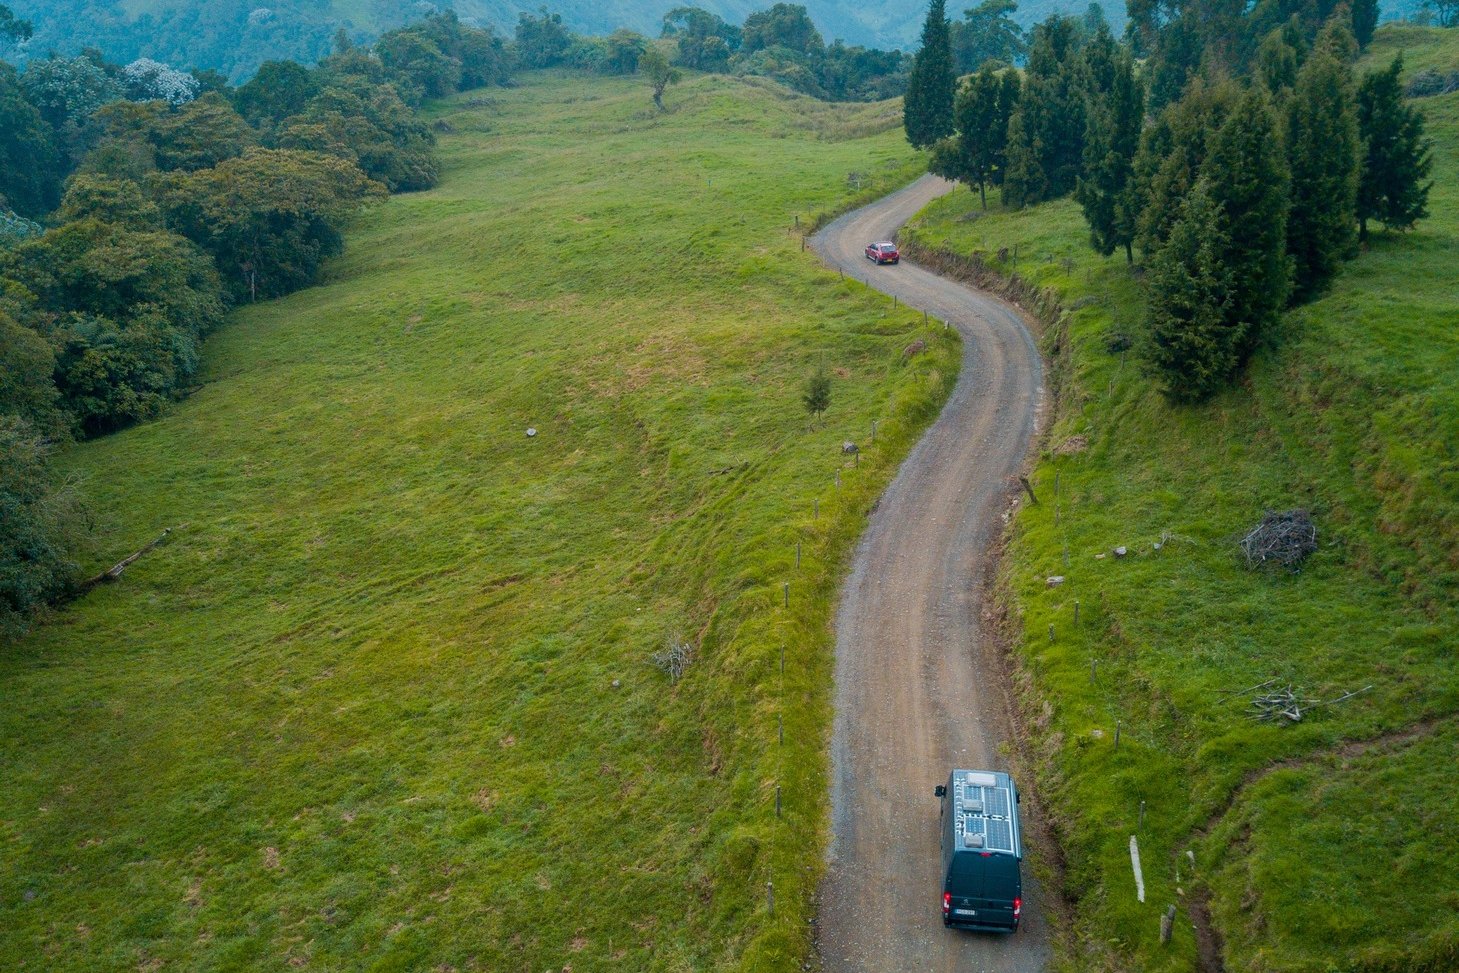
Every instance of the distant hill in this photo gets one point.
(235, 36)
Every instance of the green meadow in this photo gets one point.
(384, 700)
(1328, 844)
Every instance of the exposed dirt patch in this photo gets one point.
(1209, 947)
(1072, 446)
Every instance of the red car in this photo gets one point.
(883, 253)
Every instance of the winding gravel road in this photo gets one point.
(919, 688)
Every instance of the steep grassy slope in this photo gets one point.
(1329, 844)
(385, 701)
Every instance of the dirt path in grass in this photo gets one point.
(920, 687)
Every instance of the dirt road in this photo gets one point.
(918, 686)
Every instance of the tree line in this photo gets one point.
(140, 202)
(1234, 149)
(780, 43)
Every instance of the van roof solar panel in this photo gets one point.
(986, 812)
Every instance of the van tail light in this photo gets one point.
(947, 903)
(1017, 907)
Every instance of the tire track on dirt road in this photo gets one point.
(919, 686)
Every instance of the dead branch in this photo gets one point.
(115, 571)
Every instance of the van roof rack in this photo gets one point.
(985, 809)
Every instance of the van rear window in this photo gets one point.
(976, 874)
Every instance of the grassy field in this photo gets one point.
(384, 700)
(1326, 845)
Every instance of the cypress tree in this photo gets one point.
(1279, 57)
(1112, 136)
(1023, 181)
(1171, 153)
(1337, 39)
(1191, 345)
(1396, 157)
(927, 108)
(1046, 132)
(1365, 21)
(1322, 152)
(1246, 169)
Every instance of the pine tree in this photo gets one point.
(1396, 157)
(1046, 132)
(927, 108)
(1191, 344)
(1322, 152)
(1246, 170)
(1112, 136)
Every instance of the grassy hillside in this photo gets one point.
(1328, 844)
(384, 701)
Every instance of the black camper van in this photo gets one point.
(982, 850)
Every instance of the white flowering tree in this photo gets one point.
(147, 80)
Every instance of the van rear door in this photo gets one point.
(985, 890)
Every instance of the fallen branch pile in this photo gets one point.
(1272, 702)
(1284, 538)
(674, 657)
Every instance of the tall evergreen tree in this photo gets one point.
(1246, 169)
(1280, 56)
(1365, 21)
(981, 111)
(1396, 157)
(1046, 132)
(1172, 151)
(1191, 344)
(1322, 152)
(927, 108)
(1112, 136)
